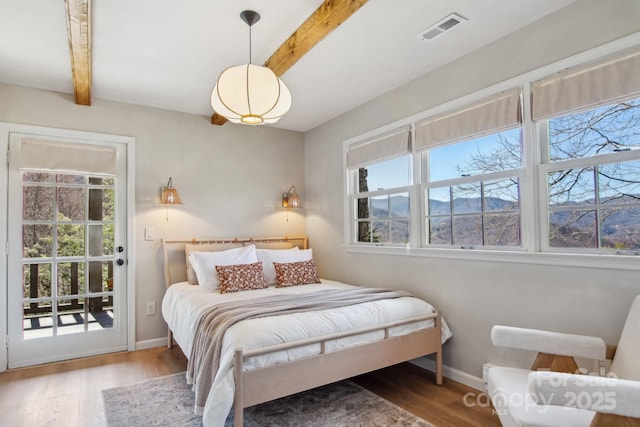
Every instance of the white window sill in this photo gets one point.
(600, 261)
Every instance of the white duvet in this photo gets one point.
(183, 303)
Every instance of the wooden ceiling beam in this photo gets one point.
(329, 16)
(79, 33)
(323, 21)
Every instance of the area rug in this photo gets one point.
(168, 401)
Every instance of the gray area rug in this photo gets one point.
(168, 401)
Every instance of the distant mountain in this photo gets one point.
(399, 207)
(471, 205)
(569, 227)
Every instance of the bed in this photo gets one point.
(275, 354)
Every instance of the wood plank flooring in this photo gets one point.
(415, 390)
(69, 393)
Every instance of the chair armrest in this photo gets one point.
(549, 342)
(601, 394)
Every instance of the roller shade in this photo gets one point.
(387, 146)
(576, 88)
(67, 157)
(499, 112)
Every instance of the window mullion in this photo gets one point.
(482, 214)
(417, 200)
(596, 199)
(533, 208)
(490, 176)
(600, 159)
(451, 215)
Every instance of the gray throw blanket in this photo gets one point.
(211, 326)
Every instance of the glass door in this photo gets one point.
(67, 268)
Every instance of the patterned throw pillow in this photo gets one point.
(240, 277)
(296, 273)
(204, 263)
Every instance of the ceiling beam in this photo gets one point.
(323, 21)
(79, 33)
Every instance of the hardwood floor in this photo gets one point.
(415, 390)
(69, 393)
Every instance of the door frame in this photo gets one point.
(40, 131)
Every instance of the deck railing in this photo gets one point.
(73, 304)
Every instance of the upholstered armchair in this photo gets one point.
(553, 394)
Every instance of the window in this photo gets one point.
(589, 126)
(593, 178)
(471, 161)
(380, 174)
(566, 178)
(383, 214)
(478, 205)
(67, 236)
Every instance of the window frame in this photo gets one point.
(376, 193)
(518, 173)
(534, 213)
(354, 195)
(593, 161)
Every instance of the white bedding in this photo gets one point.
(183, 303)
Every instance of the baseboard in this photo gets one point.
(451, 373)
(156, 342)
(80, 355)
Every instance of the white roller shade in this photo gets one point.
(493, 114)
(387, 146)
(590, 85)
(67, 157)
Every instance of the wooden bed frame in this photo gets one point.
(272, 382)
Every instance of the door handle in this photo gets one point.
(120, 261)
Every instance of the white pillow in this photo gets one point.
(204, 263)
(269, 256)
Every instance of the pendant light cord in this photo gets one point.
(250, 17)
(249, 44)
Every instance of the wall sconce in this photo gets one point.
(170, 196)
(291, 200)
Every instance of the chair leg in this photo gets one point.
(555, 363)
(613, 420)
(169, 338)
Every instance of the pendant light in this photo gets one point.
(250, 94)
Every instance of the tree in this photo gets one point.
(366, 231)
(587, 199)
(69, 230)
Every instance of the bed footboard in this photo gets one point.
(272, 382)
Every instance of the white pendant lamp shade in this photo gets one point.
(250, 94)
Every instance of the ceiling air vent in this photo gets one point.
(441, 26)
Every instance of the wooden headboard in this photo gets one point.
(174, 259)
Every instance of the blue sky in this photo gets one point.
(444, 162)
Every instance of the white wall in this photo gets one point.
(230, 178)
(475, 295)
